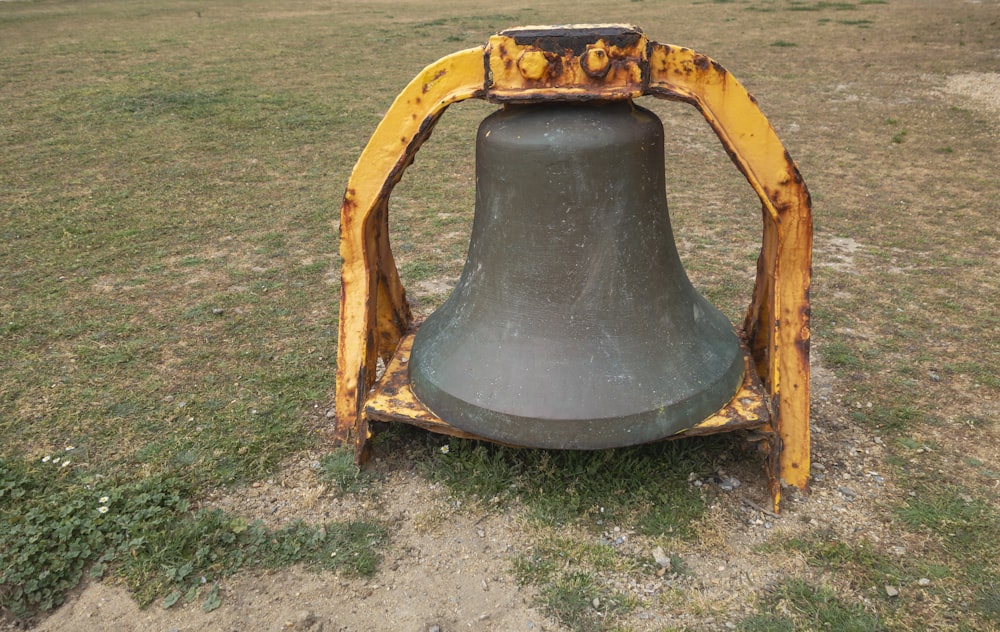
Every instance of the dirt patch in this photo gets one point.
(981, 88)
(444, 567)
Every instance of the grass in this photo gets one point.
(169, 304)
(58, 522)
(812, 607)
(646, 486)
(574, 594)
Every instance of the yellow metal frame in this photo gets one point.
(376, 324)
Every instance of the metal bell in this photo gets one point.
(573, 324)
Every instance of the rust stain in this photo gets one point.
(427, 84)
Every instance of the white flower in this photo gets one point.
(46, 458)
(102, 509)
(55, 460)
(69, 447)
(444, 449)
(65, 463)
(103, 500)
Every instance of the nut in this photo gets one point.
(595, 62)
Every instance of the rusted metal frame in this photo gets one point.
(374, 312)
(777, 321)
(582, 62)
(393, 400)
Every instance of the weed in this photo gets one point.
(57, 522)
(338, 468)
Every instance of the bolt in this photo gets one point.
(532, 64)
(595, 62)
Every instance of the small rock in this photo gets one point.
(305, 621)
(596, 603)
(848, 492)
(923, 581)
(661, 558)
(891, 591)
(434, 628)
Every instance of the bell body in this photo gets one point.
(573, 324)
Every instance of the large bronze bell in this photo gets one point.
(573, 324)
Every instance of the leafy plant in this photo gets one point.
(55, 526)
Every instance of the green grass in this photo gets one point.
(820, 6)
(646, 486)
(573, 593)
(811, 607)
(967, 525)
(58, 521)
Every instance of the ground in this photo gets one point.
(449, 565)
(897, 78)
